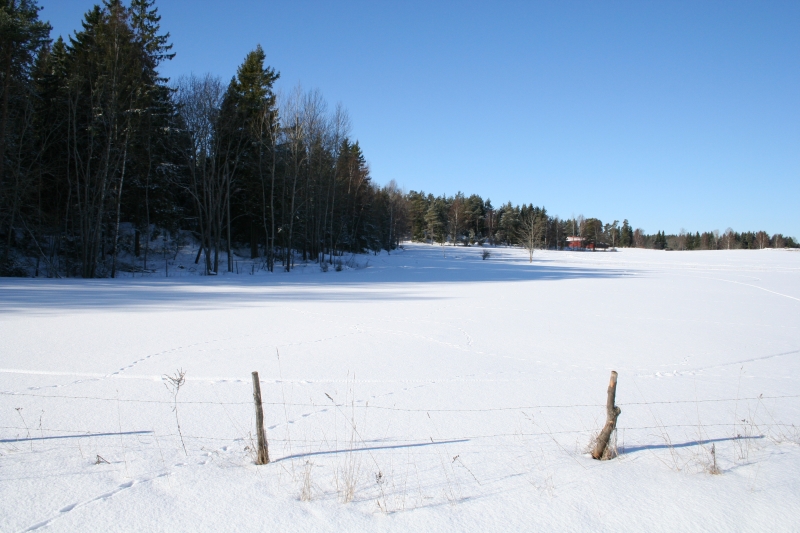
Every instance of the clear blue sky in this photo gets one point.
(671, 114)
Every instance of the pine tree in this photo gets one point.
(508, 223)
(436, 220)
(154, 135)
(255, 109)
(22, 36)
(626, 235)
(417, 209)
(102, 85)
(660, 241)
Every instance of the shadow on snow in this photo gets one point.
(78, 436)
(369, 449)
(633, 449)
(401, 276)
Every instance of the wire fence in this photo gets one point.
(488, 409)
(402, 457)
(242, 428)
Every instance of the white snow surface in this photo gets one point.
(434, 390)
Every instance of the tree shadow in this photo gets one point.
(368, 449)
(401, 276)
(78, 436)
(633, 449)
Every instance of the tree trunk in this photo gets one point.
(262, 455)
(228, 208)
(147, 203)
(271, 257)
(119, 205)
(612, 412)
(4, 120)
(253, 240)
(291, 223)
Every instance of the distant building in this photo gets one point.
(576, 243)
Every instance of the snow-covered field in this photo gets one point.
(434, 390)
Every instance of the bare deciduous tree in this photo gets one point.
(199, 100)
(638, 238)
(681, 240)
(762, 240)
(728, 239)
(530, 233)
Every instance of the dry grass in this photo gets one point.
(173, 383)
(348, 473)
(251, 449)
(306, 490)
(587, 449)
(711, 466)
(612, 449)
(24, 423)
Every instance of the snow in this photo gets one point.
(450, 393)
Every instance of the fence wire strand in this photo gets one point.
(392, 408)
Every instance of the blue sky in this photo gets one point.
(671, 114)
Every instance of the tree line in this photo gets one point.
(467, 220)
(94, 139)
(101, 155)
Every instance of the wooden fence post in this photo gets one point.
(262, 457)
(612, 412)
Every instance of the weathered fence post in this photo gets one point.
(262, 457)
(612, 412)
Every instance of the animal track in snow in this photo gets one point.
(103, 497)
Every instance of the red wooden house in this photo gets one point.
(576, 243)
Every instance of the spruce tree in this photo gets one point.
(254, 105)
(22, 36)
(626, 234)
